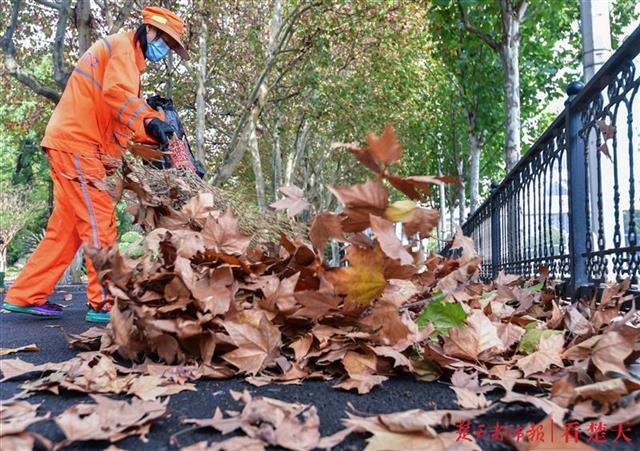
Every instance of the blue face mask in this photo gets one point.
(157, 49)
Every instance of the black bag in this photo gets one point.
(166, 105)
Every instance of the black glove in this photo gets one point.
(157, 102)
(159, 130)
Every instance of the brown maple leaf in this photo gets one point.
(360, 201)
(611, 350)
(389, 241)
(221, 234)
(549, 353)
(325, 226)
(361, 369)
(258, 341)
(385, 149)
(293, 201)
(423, 222)
(109, 419)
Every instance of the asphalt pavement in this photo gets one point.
(397, 394)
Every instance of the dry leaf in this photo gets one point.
(468, 399)
(258, 342)
(293, 201)
(230, 444)
(613, 348)
(360, 201)
(325, 226)
(276, 423)
(385, 149)
(28, 348)
(109, 419)
(389, 241)
(549, 353)
(363, 281)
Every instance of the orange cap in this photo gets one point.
(168, 22)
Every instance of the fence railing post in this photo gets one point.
(495, 233)
(576, 174)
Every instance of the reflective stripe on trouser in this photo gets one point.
(81, 214)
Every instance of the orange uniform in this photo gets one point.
(99, 112)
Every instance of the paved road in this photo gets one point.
(395, 395)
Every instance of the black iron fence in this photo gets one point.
(572, 203)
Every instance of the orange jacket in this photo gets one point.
(100, 109)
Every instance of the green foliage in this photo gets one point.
(441, 314)
(130, 237)
(532, 337)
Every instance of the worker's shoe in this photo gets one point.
(94, 316)
(48, 309)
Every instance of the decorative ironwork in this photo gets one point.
(571, 202)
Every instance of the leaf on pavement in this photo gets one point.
(610, 352)
(17, 416)
(549, 353)
(230, 444)
(12, 368)
(257, 340)
(151, 387)
(441, 314)
(89, 340)
(28, 348)
(273, 422)
(468, 399)
(109, 419)
(361, 369)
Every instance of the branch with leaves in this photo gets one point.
(11, 63)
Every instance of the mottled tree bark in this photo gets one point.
(201, 79)
(511, 16)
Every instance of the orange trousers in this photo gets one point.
(82, 214)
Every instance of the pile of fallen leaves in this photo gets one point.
(204, 302)
(155, 193)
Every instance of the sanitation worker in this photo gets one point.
(100, 111)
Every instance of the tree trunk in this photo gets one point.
(76, 267)
(296, 156)
(461, 189)
(512, 16)
(475, 149)
(441, 235)
(3, 258)
(83, 24)
(452, 210)
(201, 78)
(279, 37)
(168, 79)
(276, 154)
(252, 142)
(510, 57)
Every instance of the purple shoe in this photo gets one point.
(48, 309)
